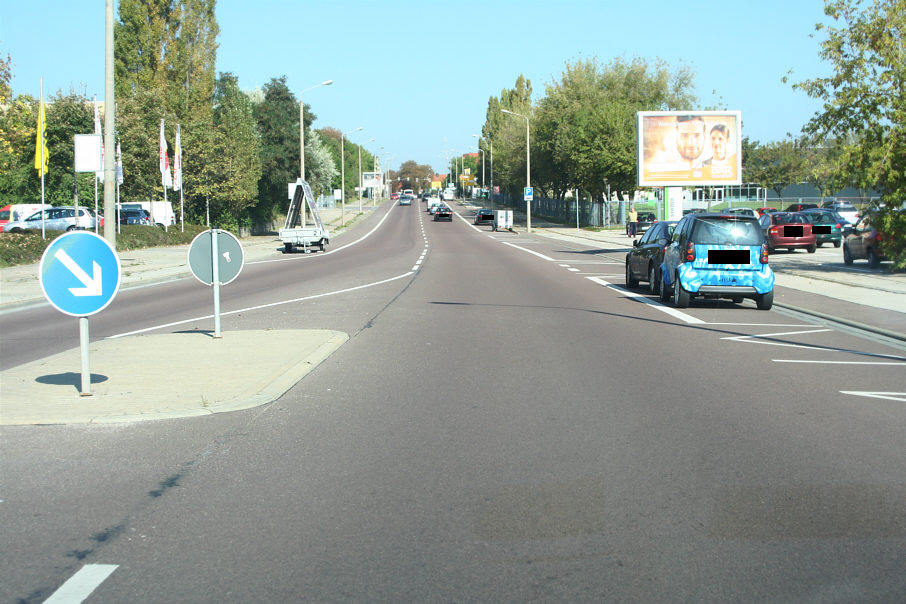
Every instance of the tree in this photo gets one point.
(865, 100)
(164, 58)
(230, 165)
(330, 137)
(277, 118)
(507, 133)
(586, 124)
(776, 165)
(18, 178)
(319, 164)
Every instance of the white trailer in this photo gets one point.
(295, 233)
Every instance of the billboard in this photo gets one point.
(372, 180)
(689, 148)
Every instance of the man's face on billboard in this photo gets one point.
(690, 138)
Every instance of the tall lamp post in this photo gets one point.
(528, 169)
(482, 161)
(343, 174)
(302, 135)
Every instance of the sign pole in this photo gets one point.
(216, 282)
(83, 345)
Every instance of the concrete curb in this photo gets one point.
(849, 323)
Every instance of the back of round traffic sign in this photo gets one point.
(230, 257)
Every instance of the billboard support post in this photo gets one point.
(673, 197)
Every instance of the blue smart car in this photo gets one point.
(717, 256)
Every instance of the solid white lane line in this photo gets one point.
(81, 584)
(900, 364)
(532, 252)
(270, 305)
(891, 396)
(333, 251)
(653, 303)
(779, 333)
(574, 270)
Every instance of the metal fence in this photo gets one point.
(615, 213)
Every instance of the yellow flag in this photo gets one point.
(41, 143)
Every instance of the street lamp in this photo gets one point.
(528, 169)
(343, 174)
(302, 136)
(302, 125)
(482, 161)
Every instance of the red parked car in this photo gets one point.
(790, 230)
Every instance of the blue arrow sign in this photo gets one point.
(80, 273)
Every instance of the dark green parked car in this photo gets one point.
(827, 225)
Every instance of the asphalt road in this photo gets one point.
(506, 423)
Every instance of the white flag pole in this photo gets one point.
(41, 134)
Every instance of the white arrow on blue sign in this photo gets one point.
(80, 273)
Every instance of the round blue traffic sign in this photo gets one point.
(80, 273)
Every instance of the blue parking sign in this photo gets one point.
(80, 273)
(528, 193)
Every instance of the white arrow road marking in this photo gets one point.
(93, 285)
(81, 584)
(892, 396)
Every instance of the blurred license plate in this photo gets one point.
(728, 256)
(792, 230)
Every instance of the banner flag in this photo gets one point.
(166, 178)
(119, 165)
(97, 130)
(177, 162)
(41, 142)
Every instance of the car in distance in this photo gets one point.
(863, 241)
(717, 256)
(763, 211)
(405, 200)
(61, 218)
(827, 225)
(741, 212)
(443, 212)
(643, 261)
(135, 216)
(484, 215)
(848, 211)
(645, 220)
(788, 230)
(798, 207)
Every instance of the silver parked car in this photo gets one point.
(61, 218)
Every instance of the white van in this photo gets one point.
(20, 211)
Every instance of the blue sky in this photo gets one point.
(417, 74)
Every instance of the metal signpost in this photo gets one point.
(216, 258)
(80, 273)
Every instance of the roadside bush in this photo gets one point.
(27, 247)
(892, 226)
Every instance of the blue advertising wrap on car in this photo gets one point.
(694, 275)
